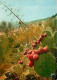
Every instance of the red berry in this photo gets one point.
(40, 38)
(45, 34)
(29, 52)
(26, 49)
(24, 53)
(35, 51)
(30, 57)
(35, 42)
(40, 50)
(30, 63)
(42, 35)
(33, 45)
(32, 53)
(46, 49)
(20, 62)
(27, 55)
(35, 57)
(38, 42)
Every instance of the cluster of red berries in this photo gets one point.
(33, 55)
(39, 40)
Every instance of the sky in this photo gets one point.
(27, 10)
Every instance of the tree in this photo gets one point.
(3, 26)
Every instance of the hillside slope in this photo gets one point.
(47, 22)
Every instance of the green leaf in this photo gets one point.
(46, 65)
(47, 41)
(55, 38)
(48, 33)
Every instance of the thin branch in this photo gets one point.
(12, 13)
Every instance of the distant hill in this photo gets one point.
(45, 19)
(47, 22)
(50, 21)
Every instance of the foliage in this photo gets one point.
(45, 65)
(55, 38)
